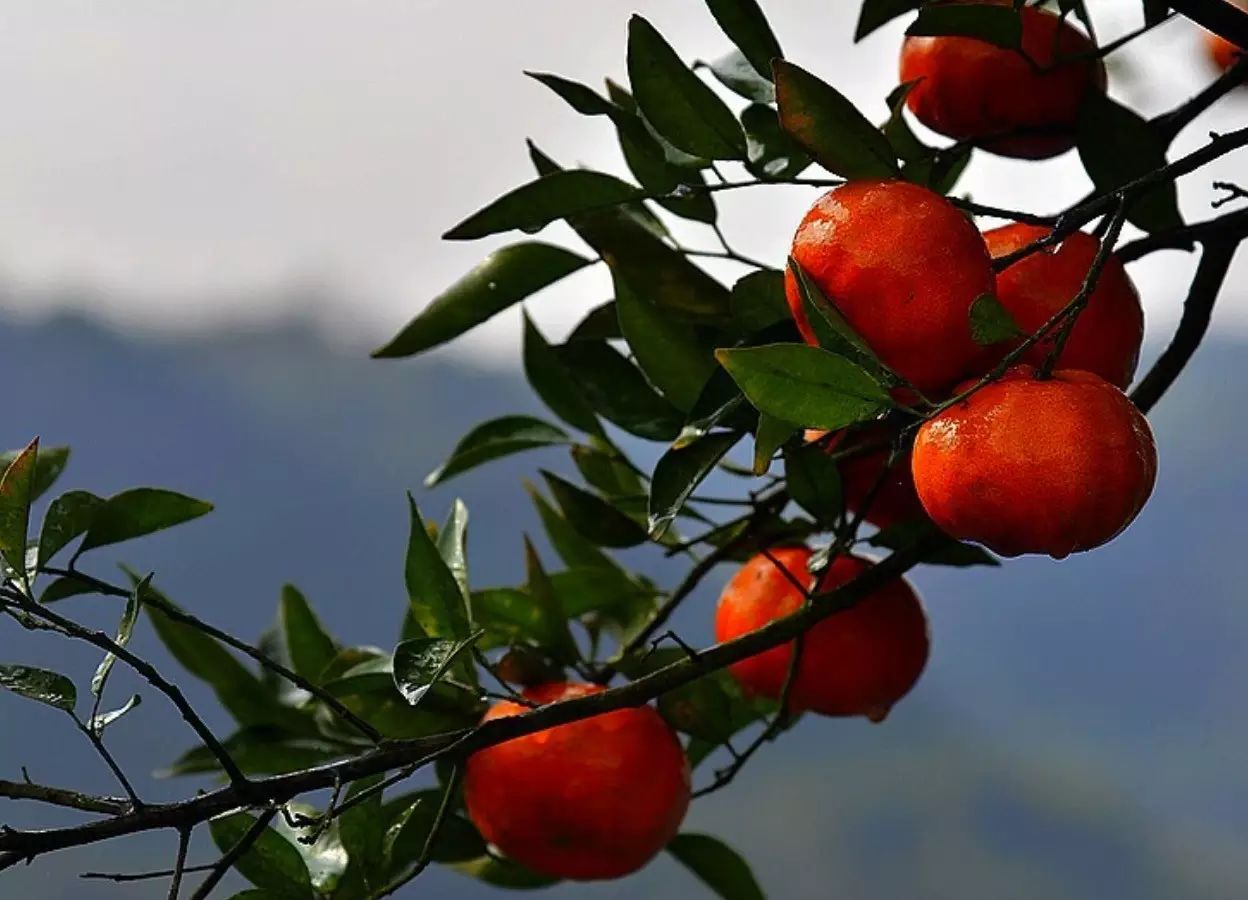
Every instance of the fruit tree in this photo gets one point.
(926, 379)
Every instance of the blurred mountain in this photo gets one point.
(1079, 732)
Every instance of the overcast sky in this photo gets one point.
(184, 157)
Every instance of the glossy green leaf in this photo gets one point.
(600, 324)
(308, 643)
(541, 591)
(1117, 145)
(875, 13)
(16, 494)
(593, 517)
(805, 385)
(758, 301)
(581, 591)
(573, 548)
(98, 722)
(421, 663)
(272, 863)
(738, 74)
(139, 512)
(768, 438)
(532, 206)
(408, 832)
(678, 474)
(617, 390)
(829, 127)
(42, 685)
(553, 381)
(675, 101)
(746, 26)
(941, 170)
(63, 589)
(1001, 26)
(946, 550)
(770, 152)
(506, 277)
(319, 846)
(830, 327)
(435, 595)
(125, 630)
(362, 832)
(494, 439)
(68, 516)
(48, 468)
(717, 865)
(991, 322)
(509, 616)
(607, 470)
(453, 543)
(814, 481)
(671, 354)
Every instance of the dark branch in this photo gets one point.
(232, 856)
(19, 790)
(1218, 16)
(1231, 227)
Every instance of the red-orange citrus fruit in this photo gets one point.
(858, 662)
(1107, 337)
(592, 799)
(1020, 104)
(1028, 465)
(903, 266)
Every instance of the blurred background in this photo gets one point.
(212, 211)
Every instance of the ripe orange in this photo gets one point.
(971, 90)
(1037, 466)
(855, 663)
(903, 266)
(895, 500)
(588, 800)
(1107, 337)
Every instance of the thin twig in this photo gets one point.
(1232, 226)
(109, 760)
(1169, 125)
(179, 864)
(16, 790)
(125, 877)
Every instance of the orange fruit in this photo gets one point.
(588, 800)
(903, 266)
(1107, 337)
(1036, 466)
(971, 90)
(895, 500)
(855, 663)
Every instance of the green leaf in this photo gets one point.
(717, 865)
(309, 645)
(947, 551)
(700, 708)
(608, 470)
(433, 591)
(494, 439)
(509, 616)
(770, 152)
(670, 353)
(17, 491)
(320, 847)
(503, 873)
(68, 516)
(125, 630)
(617, 390)
(42, 685)
(582, 591)
(363, 832)
(991, 322)
(1001, 26)
(675, 101)
(138, 512)
(453, 543)
(746, 26)
(100, 721)
(1117, 145)
(48, 468)
(593, 517)
(271, 863)
(421, 663)
(830, 327)
(532, 206)
(408, 832)
(829, 127)
(506, 277)
(257, 751)
(64, 588)
(721, 405)
(600, 324)
(541, 590)
(553, 381)
(768, 438)
(738, 74)
(880, 12)
(758, 301)
(679, 472)
(574, 549)
(805, 385)
(814, 481)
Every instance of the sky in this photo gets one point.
(186, 164)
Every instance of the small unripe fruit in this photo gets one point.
(1107, 337)
(858, 662)
(1028, 465)
(971, 90)
(903, 266)
(593, 799)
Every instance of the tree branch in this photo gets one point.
(1197, 311)
(18, 790)
(1218, 16)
